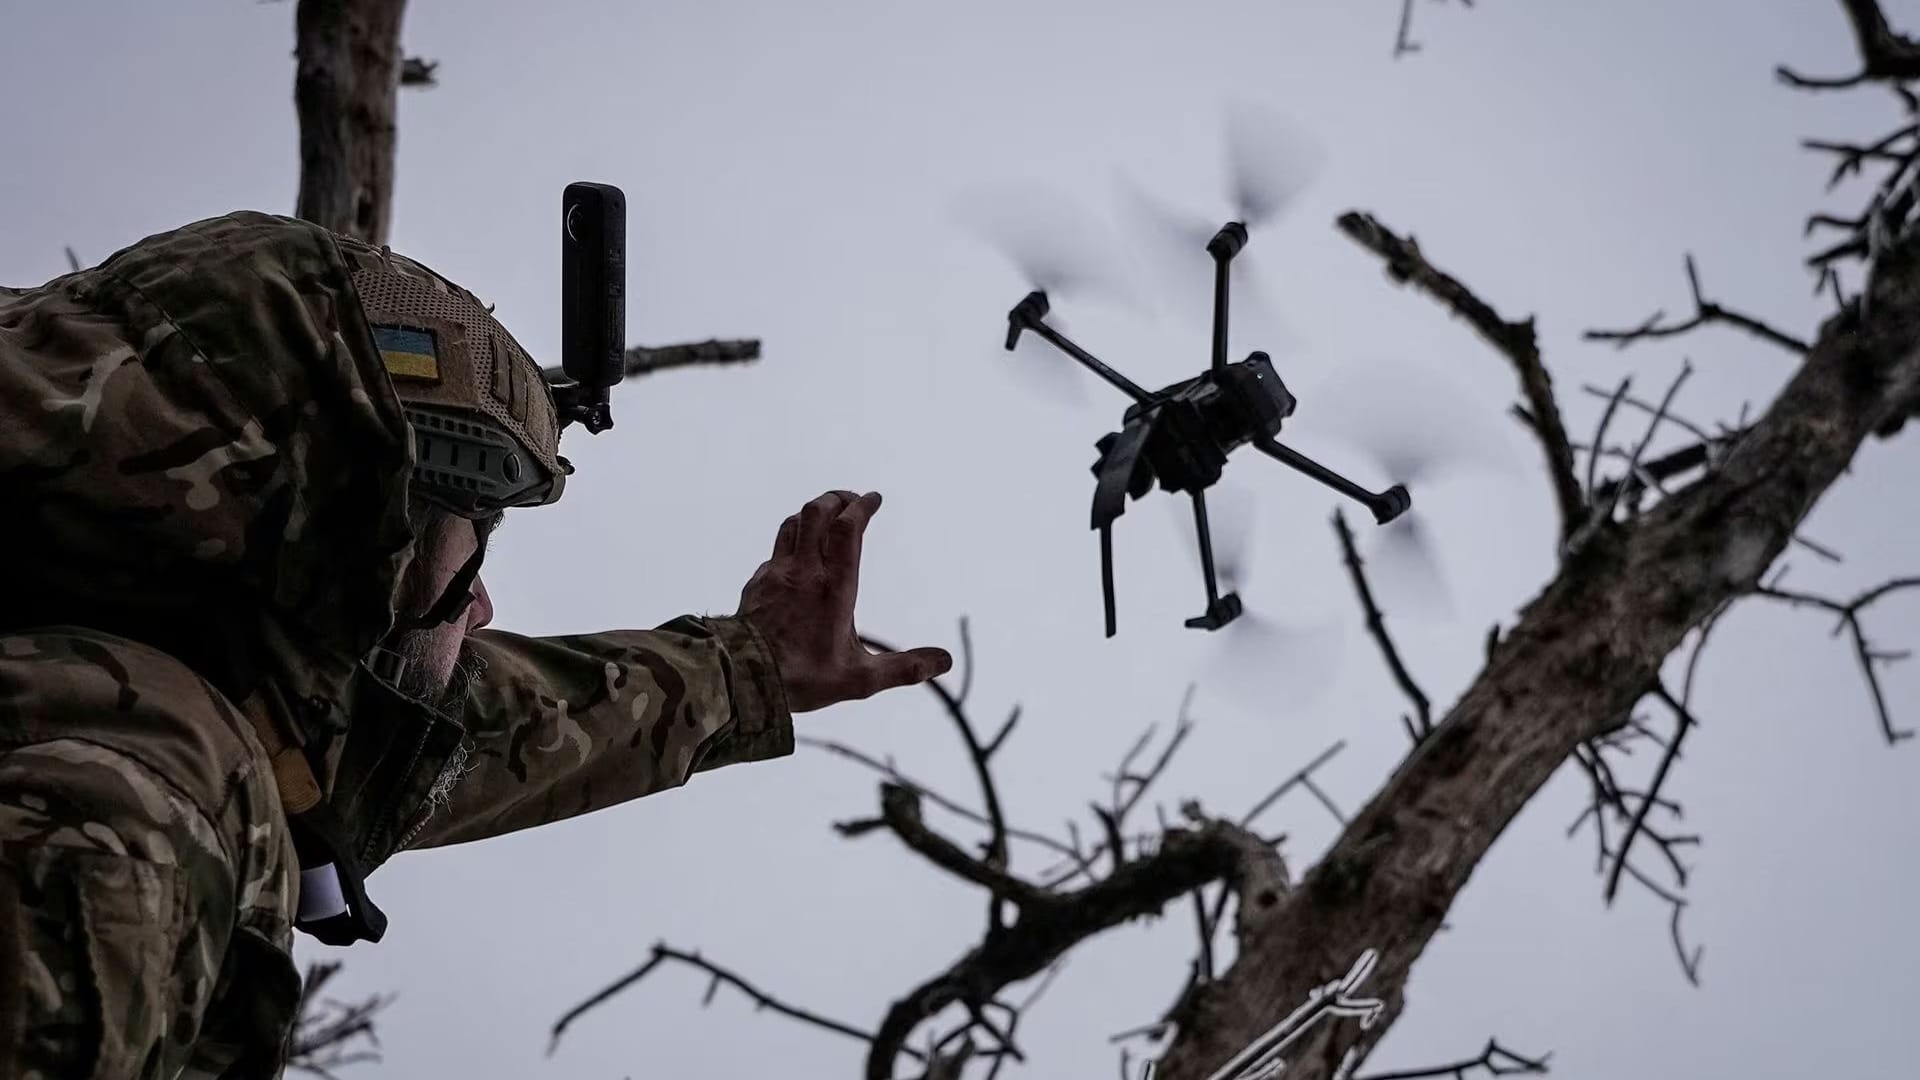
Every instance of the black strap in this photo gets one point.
(453, 601)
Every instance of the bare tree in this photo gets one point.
(1651, 551)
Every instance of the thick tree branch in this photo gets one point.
(1885, 56)
(1581, 654)
(1049, 925)
(651, 359)
(900, 808)
(1515, 340)
(645, 360)
(347, 77)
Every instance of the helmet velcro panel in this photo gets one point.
(446, 352)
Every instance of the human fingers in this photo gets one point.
(846, 534)
(813, 521)
(909, 667)
(786, 541)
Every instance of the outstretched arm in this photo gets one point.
(565, 725)
(561, 726)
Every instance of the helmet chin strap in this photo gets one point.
(452, 603)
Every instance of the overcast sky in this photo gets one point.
(791, 170)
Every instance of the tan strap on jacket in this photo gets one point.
(292, 773)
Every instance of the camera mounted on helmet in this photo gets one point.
(593, 302)
(485, 418)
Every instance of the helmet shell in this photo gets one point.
(486, 431)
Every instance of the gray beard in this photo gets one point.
(416, 683)
(448, 701)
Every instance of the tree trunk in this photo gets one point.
(346, 85)
(1584, 651)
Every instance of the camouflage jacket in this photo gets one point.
(212, 465)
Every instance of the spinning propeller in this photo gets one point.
(1269, 163)
(1419, 426)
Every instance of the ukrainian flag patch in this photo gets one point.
(407, 352)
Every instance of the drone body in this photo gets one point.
(1180, 436)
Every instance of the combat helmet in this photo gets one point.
(486, 433)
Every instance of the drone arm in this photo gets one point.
(1125, 385)
(1223, 247)
(1385, 505)
(1030, 314)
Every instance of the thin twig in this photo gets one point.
(1704, 311)
(892, 772)
(1377, 626)
(1600, 433)
(1629, 400)
(1056, 876)
(1019, 1012)
(1684, 722)
(1849, 614)
(977, 753)
(326, 1031)
(663, 952)
(1601, 517)
(1495, 1059)
(1403, 43)
(1299, 776)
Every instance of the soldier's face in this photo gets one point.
(433, 654)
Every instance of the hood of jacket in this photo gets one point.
(201, 449)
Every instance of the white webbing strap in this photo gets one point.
(320, 895)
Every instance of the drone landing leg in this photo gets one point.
(1386, 505)
(1221, 610)
(1106, 574)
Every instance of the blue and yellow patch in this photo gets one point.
(408, 353)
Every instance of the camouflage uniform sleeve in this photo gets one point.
(561, 726)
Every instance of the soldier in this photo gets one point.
(250, 468)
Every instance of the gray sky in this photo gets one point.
(790, 170)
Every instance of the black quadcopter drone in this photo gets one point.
(1180, 436)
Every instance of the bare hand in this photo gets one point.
(801, 601)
